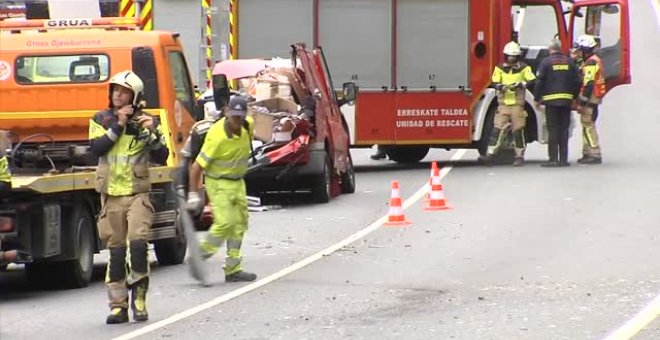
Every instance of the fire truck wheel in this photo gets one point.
(348, 177)
(486, 130)
(172, 251)
(75, 273)
(322, 184)
(407, 154)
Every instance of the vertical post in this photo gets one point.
(208, 38)
(147, 16)
(127, 8)
(233, 35)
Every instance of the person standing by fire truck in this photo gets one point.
(511, 80)
(126, 140)
(591, 95)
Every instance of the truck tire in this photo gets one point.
(172, 251)
(348, 177)
(486, 130)
(76, 273)
(407, 154)
(322, 184)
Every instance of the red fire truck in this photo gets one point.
(423, 67)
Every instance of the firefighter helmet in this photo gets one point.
(513, 49)
(586, 42)
(131, 81)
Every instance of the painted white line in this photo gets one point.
(638, 322)
(656, 7)
(286, 271)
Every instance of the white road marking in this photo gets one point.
(638, 322)
(286, 271)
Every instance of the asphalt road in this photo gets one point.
(526, 253)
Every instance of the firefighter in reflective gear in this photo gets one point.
(591, 95)
(193, 145)
(224, 159)
(557, 86)
(126, 140)
(511, 80)
(5, 174)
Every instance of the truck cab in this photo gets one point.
(54, 77)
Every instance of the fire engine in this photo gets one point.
(423, 67)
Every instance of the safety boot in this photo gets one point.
(379, 155)
(486, 160)
(117, 315)
(139, 300)
(518, 161)
(590, 160)
(240, 276)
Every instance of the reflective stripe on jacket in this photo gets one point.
(509, 75)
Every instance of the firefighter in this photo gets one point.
(5, 173)
(224, 160)
(510, 79)
(125, 139)
(193, 145)
(591, 95)
(557, 86)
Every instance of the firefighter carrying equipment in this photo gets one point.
(511, 81)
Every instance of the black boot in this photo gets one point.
(117, 315)
(486, 160)
(240, 277)
(380, 154)
(519, 161)
(139, 300)
(550, 164)
(591, 160)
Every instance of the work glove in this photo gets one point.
(521, 85)
(583, 100)
(499, 87)
(194, 201)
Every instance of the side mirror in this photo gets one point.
(350, 92)
(221, 92)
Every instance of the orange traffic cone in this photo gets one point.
(437, 199)
(434, 166)
(395, 216)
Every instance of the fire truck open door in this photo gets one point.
(608, 21)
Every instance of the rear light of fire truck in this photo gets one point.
(6, 224)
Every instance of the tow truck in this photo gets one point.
(54, 76)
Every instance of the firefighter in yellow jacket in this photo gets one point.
(591, 95)
(224, 160)
(511, 80)
(125, 139)
(5, 174)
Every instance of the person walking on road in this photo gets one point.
(224, 161)
(591, 95)
(126, 140)
(511, 80)
(557, 86)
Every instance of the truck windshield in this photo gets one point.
(62, 69)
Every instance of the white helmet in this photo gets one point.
(131, 81)
(513, 49)
(586, 42)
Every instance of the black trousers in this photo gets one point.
(559, 120)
